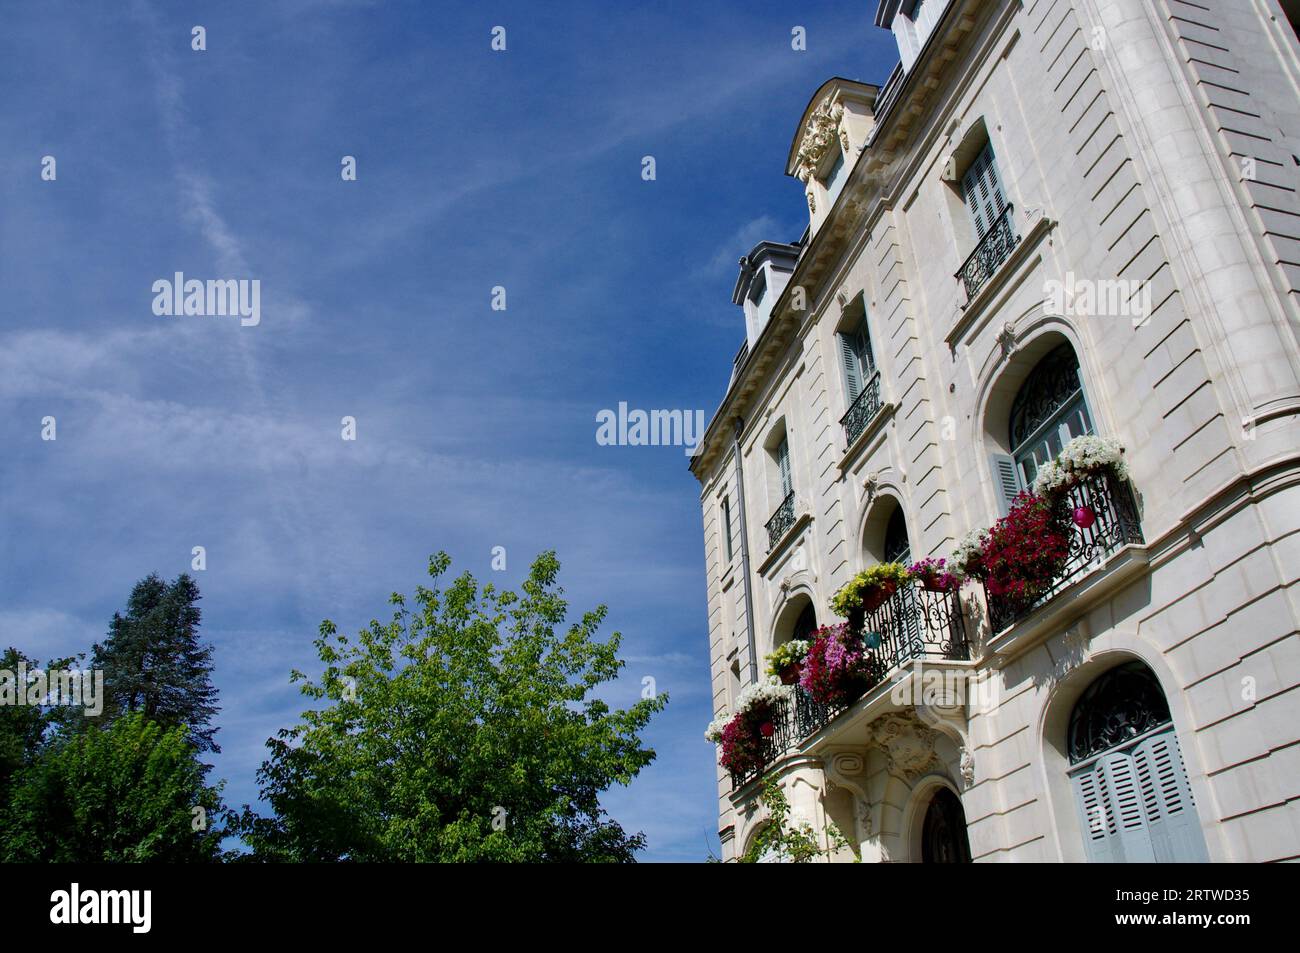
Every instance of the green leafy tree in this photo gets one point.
(25, 729)
(125, 792)
(153, 661)
(786, 840)
(464, 729)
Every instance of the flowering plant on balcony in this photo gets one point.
(868, 590)
(934, 575)
(1026, 550)
(743, 733)
(964, 560)
(1079, 458)
(786, 662)
(837, 666)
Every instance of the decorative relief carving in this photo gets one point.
(967, 767)
(1007, 338)
(817, 139)
(908, 744)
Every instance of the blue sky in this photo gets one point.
(475, 428)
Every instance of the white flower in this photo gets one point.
(714, 731)
(967, 547)
(1078, 458)
(769, 691)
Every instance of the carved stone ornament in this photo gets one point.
(812, 201)
(818, 137)
(1007, 338)
(871, 484)
(967, 767)
(908, 744)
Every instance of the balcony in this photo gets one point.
(912, 623)
(781, 521)
(1115, 524)
(994, 248)
(862, 411)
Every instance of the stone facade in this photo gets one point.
(1148, 146)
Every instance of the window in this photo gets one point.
(1130, 784)
(806, 624)
(1049, 411)
(834, 178)
(783, 466)
(982, 191)
(726, 527)
(856, 359)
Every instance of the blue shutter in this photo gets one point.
(1136, 806)
(852, 372)
(1006, 480)
(1167, 800)
(982, 190)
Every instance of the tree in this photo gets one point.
(26, 729)
(785, 840)
(463, 730)
(127, 792)
(154, 664)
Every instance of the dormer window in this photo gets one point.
(912, 22)
(758, 289)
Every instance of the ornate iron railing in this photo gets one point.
(1114, 524)
(863, 410)
(780, 522)
(993, 249)
(912, 623)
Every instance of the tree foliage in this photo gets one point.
(467, 728)
(125, 792)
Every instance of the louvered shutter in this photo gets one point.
(1136, 805)
(1167, 801)
(1006, 481)
(783, 459)
(852, 371)
(982, 189)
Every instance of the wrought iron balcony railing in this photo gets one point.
(780, 522)
(863, 410)
(1114, 524)
(912, 623)
(993, 249)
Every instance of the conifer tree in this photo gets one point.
(154, 663)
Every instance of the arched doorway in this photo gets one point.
(1126, 768)
(806, 624)
(943, 832)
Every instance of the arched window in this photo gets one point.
(1129, 780)
(943, 833)
(1048, 412)
(897, 547)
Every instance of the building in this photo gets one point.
(1056, 217)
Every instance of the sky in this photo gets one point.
(475, 428)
